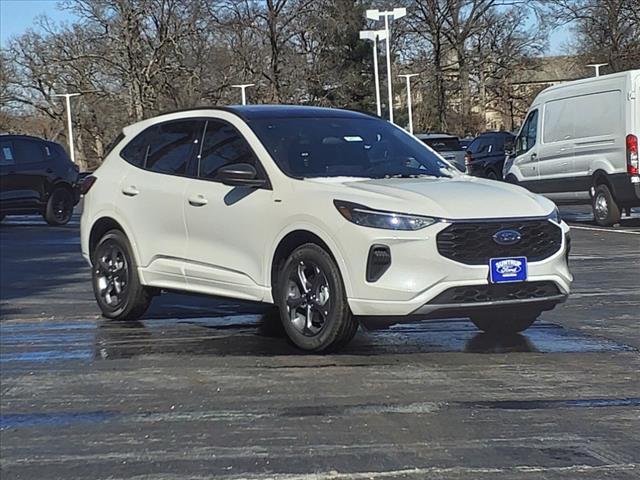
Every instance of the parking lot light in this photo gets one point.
(243, 89)
(408, 76)
(67, 96)
(375, 36)
(394, 14)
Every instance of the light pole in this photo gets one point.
(67, 96)
(393, 14)
(408, 76)
(243, 89)
(597, 67)
(374, 36)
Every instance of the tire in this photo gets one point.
(59, 207)
(505, 322)
(511, 179)
(116, 285)
(606, 211)
(491, 175)
(312, 301)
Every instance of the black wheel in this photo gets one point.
(505, 322)
(491, 175)
(59, 207)
(312, 301)
(606, 211)
(116, 286)
(511, 179)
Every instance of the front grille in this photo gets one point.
(472, 242)
(495, 293)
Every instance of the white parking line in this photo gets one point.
(603, 230)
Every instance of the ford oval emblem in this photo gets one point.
(507, 237)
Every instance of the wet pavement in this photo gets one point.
(208, 388)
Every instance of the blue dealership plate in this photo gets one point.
(509, 269)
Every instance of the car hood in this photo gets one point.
(461, 197)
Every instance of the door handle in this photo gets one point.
(130, 191)
(49, 170)
(198, 200)
(534, 157)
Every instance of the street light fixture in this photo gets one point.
(394, 14)
(597, 67)
(67, 96)
(374, 36)
(408, 76)
(243, 89)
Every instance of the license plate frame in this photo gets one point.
(508, 270)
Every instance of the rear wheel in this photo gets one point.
(116, 286)
(59, 207)
(505, 322)
(312, 301)
(606, 211)
(491, 175)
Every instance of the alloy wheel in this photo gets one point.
(112, 273)
(602, 207)
(308, 298)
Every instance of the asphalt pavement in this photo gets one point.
(208, 388)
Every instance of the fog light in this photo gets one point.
(378, 262)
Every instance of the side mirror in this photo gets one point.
(240, 175)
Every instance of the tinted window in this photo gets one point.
(528, 134)
(353, 147)
(6, 154)
(222, 145)
(28, 151)
(444, 144)
(480, 145)
(165, 148)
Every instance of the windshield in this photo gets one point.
(346, 147)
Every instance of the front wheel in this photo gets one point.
(116, 286)
(59, 207)
(606, 211)
(505, 322)
(312, 301)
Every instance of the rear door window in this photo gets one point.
(166, 147)
(28, 151)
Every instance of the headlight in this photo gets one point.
(361, 215)
(555, 216)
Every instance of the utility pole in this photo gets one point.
(375, 36)
(597, 66)
(243, 89)
(408, 76)
(67, 97)
(394, 14)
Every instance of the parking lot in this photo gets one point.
(205, 388)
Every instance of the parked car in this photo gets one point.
(36, 177)
(579, 144)
(486, 154)
(334, 216)
(465, 142)
(446, 145)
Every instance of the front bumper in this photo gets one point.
(418, 275)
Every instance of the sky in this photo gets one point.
(16, 16)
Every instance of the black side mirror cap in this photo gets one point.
(240, 175)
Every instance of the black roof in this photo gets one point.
(251, 112)
(8, 136)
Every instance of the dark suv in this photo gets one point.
(36, 176)
(486, 154)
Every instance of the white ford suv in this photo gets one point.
(334, 216)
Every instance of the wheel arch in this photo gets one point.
(101, 226)
(295, 238)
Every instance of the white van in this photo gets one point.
(579, 144)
